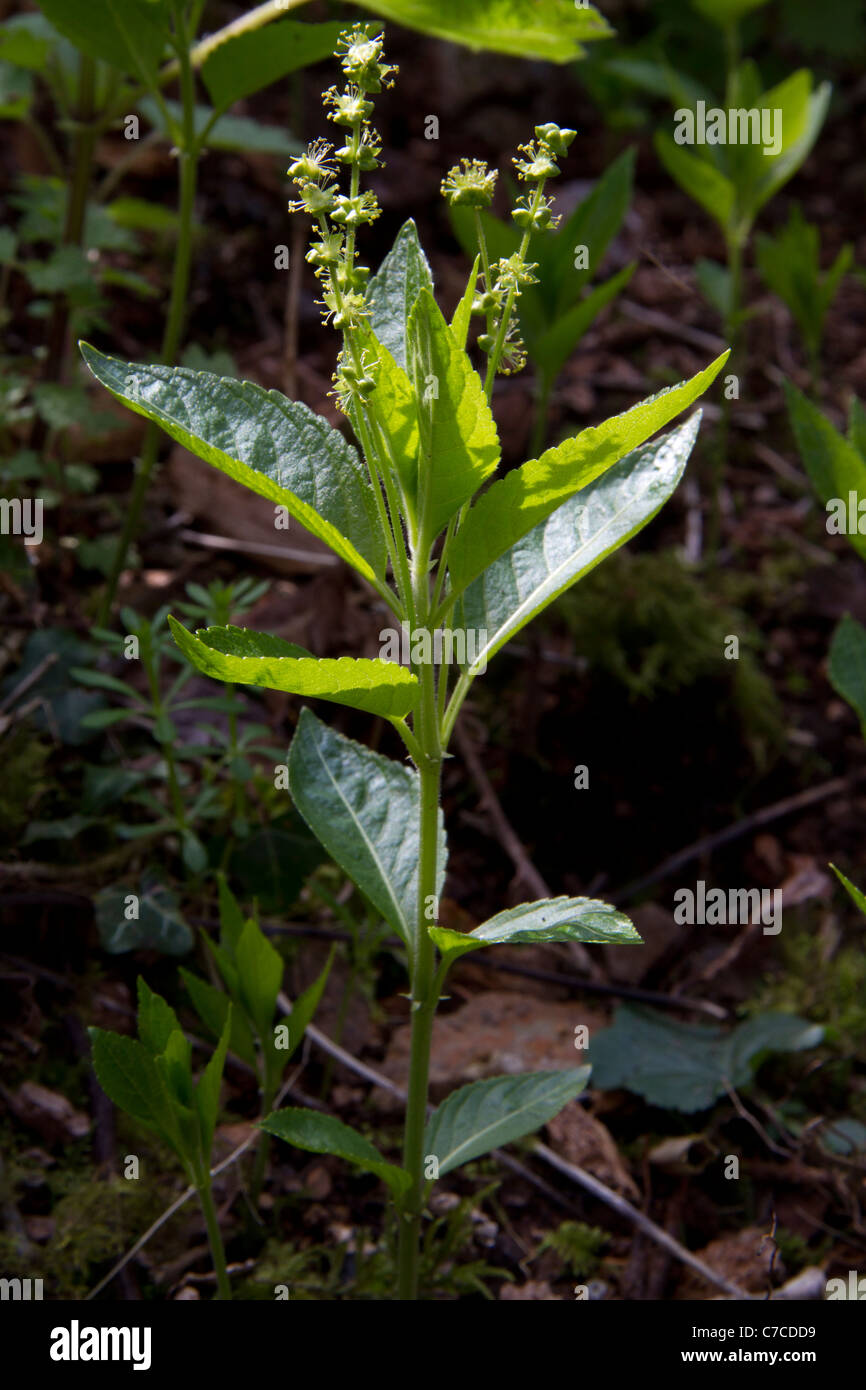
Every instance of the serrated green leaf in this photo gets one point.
(459, 446)
(207, 1092)
(463, 313)
(834, 465)
(548, 29)
(482, 1116)
(699, 178)
(687, 1066)
(857, 427)
(593, 224)
(393, 290)
(513, 506)
(303, 1012)
(598, 520)
(174, 1064)
(212, 1007)
(803, 114)
(157, 1020)
(365, 810)
(129, 1077)
(234, 654)
(231, 917)
(857, 897)
(245, 63)
(323, 1134)
(260, 976)
(551, 919)
(128, 34)
(393, 400)
(274, 446)
(846, 666)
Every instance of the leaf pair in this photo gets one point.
(733, 181)
(790, 264)
(468, 1124)
(252, 973)
(836, 465)
(151, 1079)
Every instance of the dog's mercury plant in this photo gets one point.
(413, 518)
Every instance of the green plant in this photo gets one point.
(578, 1246)
(488, 563)
(836, 465)
(151, 1079)
(553, 309)
(252, 975)
(790, 263)
(736, 172)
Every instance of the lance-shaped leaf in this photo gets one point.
(393, 401)
(857, 897)
(459, 446)
(274, 446)
(551, 919)
(846, 665)
(248, 61)
(365, 810)
(517, 503)
(323, 1134)
(207, 1092)
(834, 464)
(254, 658)
(392, 292)
(129, 1076)
(547, 29)
(485, 1114)
(699, 178)
(212, 1006)
(571, 542)
(128, 34)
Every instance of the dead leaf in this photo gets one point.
(579, 1137)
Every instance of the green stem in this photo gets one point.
(214, 1235)
(424, 993)
(499, 345)
(188, 154)
(261, 1159)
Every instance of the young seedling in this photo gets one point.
(553, 310)
(448, 557)
(790, 263)
(733, 178)
(252, 975)
(836, 466)
(151, 1079)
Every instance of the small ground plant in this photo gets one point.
(460, 567)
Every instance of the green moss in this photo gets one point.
(648, 622)
(24, 759)
(578, 1246)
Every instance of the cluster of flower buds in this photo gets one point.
(338, 215)
(471, 184)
